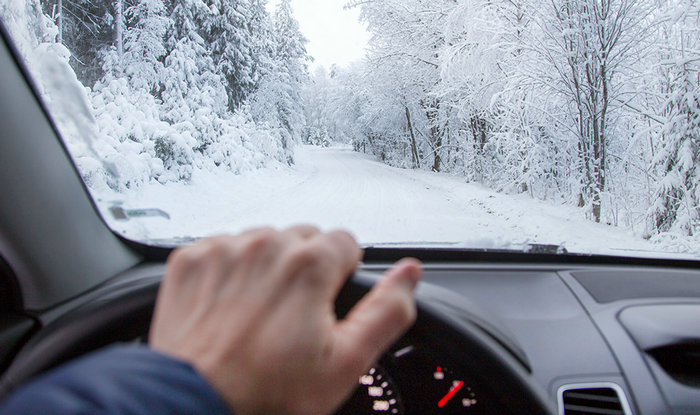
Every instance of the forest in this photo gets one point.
(593, 103)
(171, 86)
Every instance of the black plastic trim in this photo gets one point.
(454, 255)
(15, 330)
(505, 256)
(10, 293)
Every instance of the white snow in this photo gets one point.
(338, 188)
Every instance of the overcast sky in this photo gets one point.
(335, 35)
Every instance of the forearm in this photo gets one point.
(120, 380)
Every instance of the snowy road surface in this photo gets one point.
(338, 188)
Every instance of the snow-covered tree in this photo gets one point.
(193, 94)
(407, 44)
(191, 80)
(86, 26)
(278, 100)
(584, 47)
(261, 28)
(317, 109)
(144, 46)
(676, 204)
(233, 47)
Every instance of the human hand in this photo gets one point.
(254, 314)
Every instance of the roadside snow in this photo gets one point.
(338, 188)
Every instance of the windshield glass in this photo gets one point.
(473, 124)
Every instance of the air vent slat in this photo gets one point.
(588, 396)
(593, 400)
(576, 409)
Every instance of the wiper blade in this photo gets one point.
(478, 246)
(545, 249)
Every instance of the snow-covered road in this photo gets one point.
(338, 188)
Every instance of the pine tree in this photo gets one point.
(291, 69)
(194, 96)
(231, 43)
(677, 199)
(263, 46)
(144, 44)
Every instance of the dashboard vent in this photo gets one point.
(593, 399)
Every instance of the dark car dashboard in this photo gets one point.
(597, 339)
(613, 339)
(591, 339)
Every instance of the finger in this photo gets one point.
(254, 231)
(225, 254)
(346, 245)
(383, 315)
(340, 255)
(351, 260)
(181, 265)
(303, 232)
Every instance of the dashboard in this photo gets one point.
(590, 339)
(596, 339)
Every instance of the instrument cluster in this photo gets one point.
(412, 379)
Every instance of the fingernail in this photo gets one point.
(413, 273)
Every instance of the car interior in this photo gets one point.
(497, 332)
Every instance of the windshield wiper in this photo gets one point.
(474, 246)
(545, 249)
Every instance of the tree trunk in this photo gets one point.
(414, 147)
(60, 21)
(438, 143)
(119, 28)
(432, 109)
(478, 126)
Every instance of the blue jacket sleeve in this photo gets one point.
(120, 380)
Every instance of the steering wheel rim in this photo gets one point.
(124, 313)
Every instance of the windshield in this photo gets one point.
(476, 124)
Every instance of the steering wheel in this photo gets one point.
(122, 312)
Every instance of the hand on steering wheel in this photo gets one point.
(255, 315)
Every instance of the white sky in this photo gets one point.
(335, 35)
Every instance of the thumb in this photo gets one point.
(383, 315)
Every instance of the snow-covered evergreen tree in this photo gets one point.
(144, 47)
(233, 47)
(291, 68)
(278, 100)
(676, 204)
(261, 30)
(193, 94)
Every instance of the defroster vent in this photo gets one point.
(593, 399)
